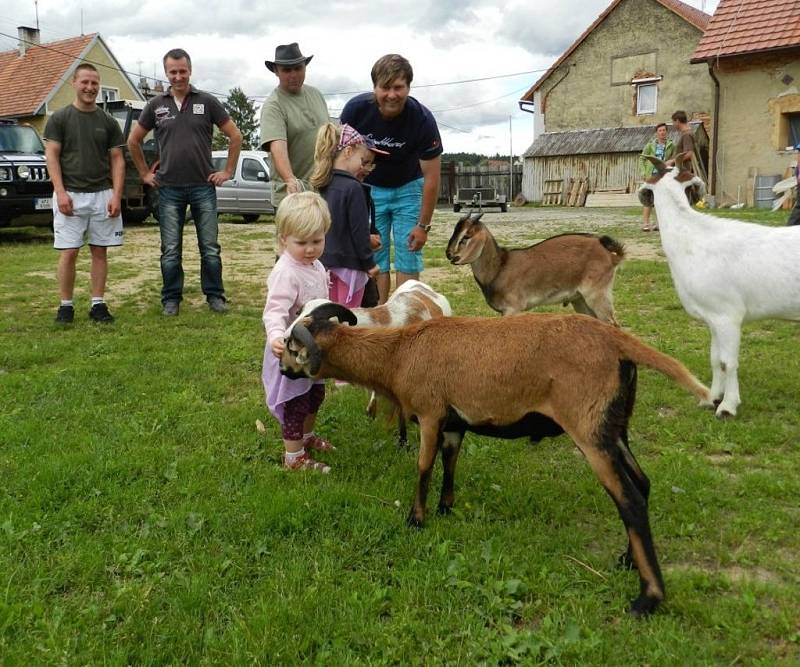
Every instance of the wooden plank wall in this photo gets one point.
(456, 176)
(605, 171)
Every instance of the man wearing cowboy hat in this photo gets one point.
(290, 119)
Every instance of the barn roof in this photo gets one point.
(601, 140)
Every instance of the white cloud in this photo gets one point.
(445, 40)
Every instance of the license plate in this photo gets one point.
(43, 203)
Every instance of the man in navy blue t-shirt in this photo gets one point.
(405, 184)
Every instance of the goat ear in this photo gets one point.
(660, 165)
(329, 310)
(645, 194)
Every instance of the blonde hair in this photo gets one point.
(324, 155)
(302, 215)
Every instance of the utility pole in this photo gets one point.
(36, 7)
(510, 163)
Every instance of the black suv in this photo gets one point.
(25, 189)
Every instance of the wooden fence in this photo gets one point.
(455, 176)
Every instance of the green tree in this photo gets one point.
(243, 113)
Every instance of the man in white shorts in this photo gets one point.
(87, 168)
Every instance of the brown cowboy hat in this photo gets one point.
(287, 54)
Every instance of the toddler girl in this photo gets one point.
(301, 223)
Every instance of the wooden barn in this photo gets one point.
(608, 158)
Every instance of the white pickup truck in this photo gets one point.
(478, 198)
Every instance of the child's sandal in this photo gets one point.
(313, 441)
(305, 462)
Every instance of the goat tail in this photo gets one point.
(614, 247)
(644, 355)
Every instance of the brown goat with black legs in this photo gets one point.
(569, 268)
(535, 375)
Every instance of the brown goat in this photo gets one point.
(569, 268)
(533, 374)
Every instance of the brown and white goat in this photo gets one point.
(532, 374)
(569, 268)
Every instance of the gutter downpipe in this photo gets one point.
(715, 134)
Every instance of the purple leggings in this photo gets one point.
(297, 409)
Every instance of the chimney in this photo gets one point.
(27, 37)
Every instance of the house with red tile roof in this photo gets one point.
(627, 72)
(752, 51)
(35, 78)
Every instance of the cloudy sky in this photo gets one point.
(472, 59)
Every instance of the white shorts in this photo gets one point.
(89, 214)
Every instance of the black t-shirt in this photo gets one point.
(410, 137)
(86, 137)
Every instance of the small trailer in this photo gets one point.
(478, 198)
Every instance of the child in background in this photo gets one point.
(301, 222)
(339, 155)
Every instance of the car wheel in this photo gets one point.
(503, 208)
(456, 208)
(250, 217)
(134, 216)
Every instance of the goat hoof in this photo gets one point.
(413, 521)
(402, 443)
(445, 509)
(644, 606)
(725, 414)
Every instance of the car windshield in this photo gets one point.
(20, 139)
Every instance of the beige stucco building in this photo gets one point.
(752, 48)
(628, 71)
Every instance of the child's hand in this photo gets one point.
(375, 242)
(278, 346)
(374, 271)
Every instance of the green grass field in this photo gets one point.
(144, 520)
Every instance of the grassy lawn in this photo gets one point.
(144, 519)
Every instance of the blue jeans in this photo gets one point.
(396, 213)
(172, 204)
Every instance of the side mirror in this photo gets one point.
(262, 176)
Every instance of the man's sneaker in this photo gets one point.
(99, 313)
(305, 462)
(217, 304)
(171, 308)
(65, 314)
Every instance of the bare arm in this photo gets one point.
(230, 130)
(117, 160)
(431, 173)
(52, 152)
(135, 139)
(279, 150)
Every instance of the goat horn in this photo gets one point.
(660, 165)
(303, 336)
(329, 310)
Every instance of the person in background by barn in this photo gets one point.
(661, 147)
(794, 216)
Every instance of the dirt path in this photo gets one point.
(249, 252)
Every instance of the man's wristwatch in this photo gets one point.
(427, 228)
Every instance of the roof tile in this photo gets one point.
(25, 82)
(750, 26)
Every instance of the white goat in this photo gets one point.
(725, 272)
(532, 374)
(568, 268)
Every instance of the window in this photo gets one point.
(793, 128)
(646, 96)
(107, 95)
(250, 170)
